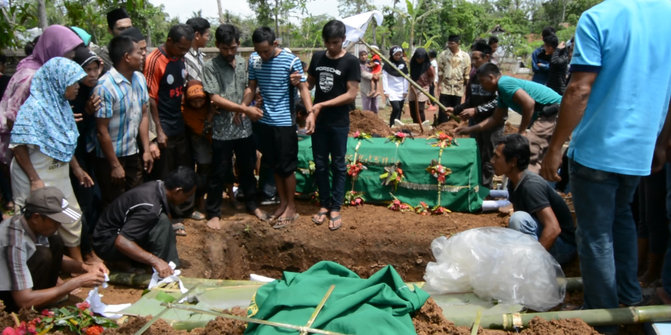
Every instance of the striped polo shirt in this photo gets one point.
(122, 102)
(272, 78)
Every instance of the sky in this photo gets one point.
(184, 9)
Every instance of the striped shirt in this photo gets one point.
(17, 245)
(122, 102)
(193, 62)
(272, 78)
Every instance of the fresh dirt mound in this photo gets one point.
(371, 238)
(224, 326)
(368, 122)
(133, 324)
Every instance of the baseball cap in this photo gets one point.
(51, 202)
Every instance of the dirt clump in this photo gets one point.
(450, 127)
(430, 320)
(539, 326)
(224, 326)
(133, 324)
(368, 122)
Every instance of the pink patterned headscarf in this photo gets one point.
(55, 41)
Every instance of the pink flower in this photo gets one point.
(83, 305)
(401, 134)
(357, 133)
(10, 331)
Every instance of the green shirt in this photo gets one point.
(540, 93)
(229, 82)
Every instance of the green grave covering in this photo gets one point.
(461, 191)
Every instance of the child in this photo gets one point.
(375, 67)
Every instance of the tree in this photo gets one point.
(276, 11)
(353, 7)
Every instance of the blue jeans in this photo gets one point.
(606, 236)
(666, 268)
(331, 141)
(562, 251)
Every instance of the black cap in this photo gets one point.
(115, 15)
(454, 38)
(84, 56)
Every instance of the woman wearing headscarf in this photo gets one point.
(56, 41)
(422, 73)
(44, 138)
(394, 84)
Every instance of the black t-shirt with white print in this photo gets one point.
(331, 77)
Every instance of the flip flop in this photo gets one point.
(333, 220)
(285, 221)
(198, 216)
(179, 229)
(323, 214)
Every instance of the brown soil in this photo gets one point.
(371, 237)
(368, 122)
(538, 326)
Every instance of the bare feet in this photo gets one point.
(261, 214)
(214, 223)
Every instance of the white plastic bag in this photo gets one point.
(496, 263)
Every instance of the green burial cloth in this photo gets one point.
(460, 192)
(378, 305)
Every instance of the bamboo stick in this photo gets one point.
(412, 82)
(245, 319)
(158, 316)
(593, 317)
(318, 309)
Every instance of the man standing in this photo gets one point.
(123, 116)
(617, 101)
(270, 68)
(479, 105)
(540, 60)
(539, 210)
(165, 75)
(136, 225)
(454, 68)
(335, 75)
(368, 102)
(193, 60)
(225, 81)
(117, 21)
(201, 148)
(31, 256)
(537, 103)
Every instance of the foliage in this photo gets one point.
(14, 20)
(354, 198)
(273, 13)
(352, 7)
(77, 319)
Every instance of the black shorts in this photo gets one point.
(279, 146)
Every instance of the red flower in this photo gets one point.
(83, 305)
(357, 134)
(94, 330)
(10, 331)
(47, 312)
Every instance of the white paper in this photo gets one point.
(157, 281)
(260, 278)
(98, 307)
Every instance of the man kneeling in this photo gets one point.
(31, 255)
(136, 226)
(539, 210)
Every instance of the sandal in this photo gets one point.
(332, 225)
(322, 214)
(179, 229)
(198, 216)
(285, 221)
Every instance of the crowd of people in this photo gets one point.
(112, 147)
